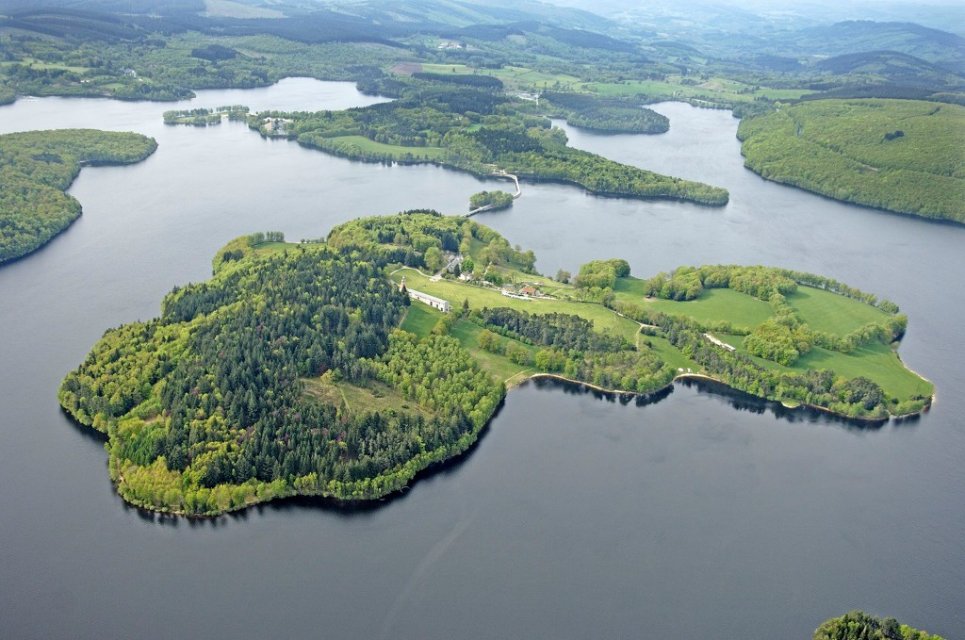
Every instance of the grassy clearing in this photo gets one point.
(712, 305)
(716, 89)
(875, 361)
(668, 353)
(374, 396)
(420, 319)
(479, 297)
(831, 313)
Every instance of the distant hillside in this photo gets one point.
(932, 45)
(893, 67)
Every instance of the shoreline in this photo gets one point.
(853, 203)
(708, 378)
(509, 384)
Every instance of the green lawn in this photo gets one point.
(712, 305)
(715, 88)
(420, 319)
(875, 361)
(669, 354)
(831, 313)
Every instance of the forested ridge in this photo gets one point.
(37, 167)
(609, 115)
(899, 155)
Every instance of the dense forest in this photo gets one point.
(900, 155)
(475, 131)
(37, 167)
(610, 115)
(211, 406)
(858, 625)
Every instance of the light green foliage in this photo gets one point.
(899, 155)
(858, 625)
(777, 341)
(492, 199)
(602, 274)
(831, 313)
(37, 167)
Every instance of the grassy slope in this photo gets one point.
(838, 148)
(714, 304)
(831, 313)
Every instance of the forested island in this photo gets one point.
(475, 130)
(316, 368)
(858, 625)
(490, 200)
(36, 169)
(903, 156)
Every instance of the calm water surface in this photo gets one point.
(701, 515)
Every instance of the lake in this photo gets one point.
(703, 514)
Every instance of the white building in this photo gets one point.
(432, 301)
(425, 298)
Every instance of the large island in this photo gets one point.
(343, 368)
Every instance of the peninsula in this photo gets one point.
(320, 368)
(37, 168)
(480, 131)
(903, 156)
